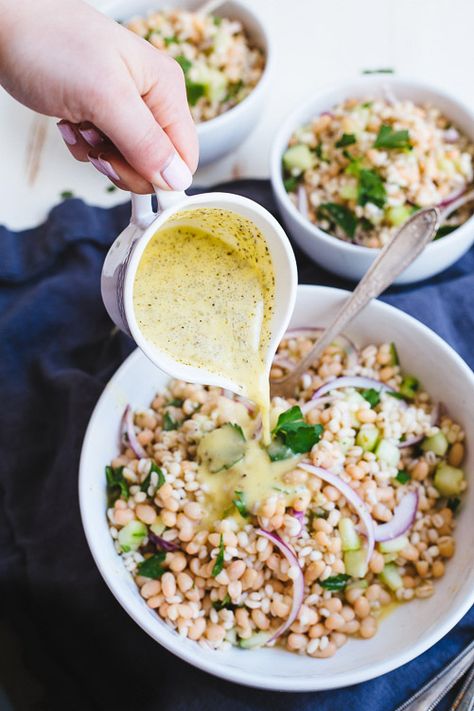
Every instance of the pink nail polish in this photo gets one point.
(104, 167)
(91, 136)
(176, 173)
(67, 132)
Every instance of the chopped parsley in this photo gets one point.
(239, 503)
(66, 194)
(403, 477)
(111, 188)
(335, 583)
(194, 91)
(117, 486)
(219, 563)
(224, 604)
(444, 230)
(395, 394)
(319, 512)
(171, 40)
(341, 215)
(147, 482)
(371, 188)
(184, 63)
(291, 183)
(409, 387)
(372, 396)
(453, 503)
(169, 423)
(347, 139)
(294, 433)
(175, 402)
(233, 90)
(388, 138)
(395, 360)
(152, 567)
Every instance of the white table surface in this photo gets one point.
(317, 42)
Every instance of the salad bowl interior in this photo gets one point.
(405, 633)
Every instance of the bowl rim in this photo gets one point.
(209, 663)
(202, 128)
(293, 120)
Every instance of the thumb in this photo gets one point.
(133, 129)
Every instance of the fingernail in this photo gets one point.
(67, 132)
(104, 167)
(91, 136)
(177, 174)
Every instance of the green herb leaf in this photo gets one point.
(219, 563)
(291, 183)
(378, 71)
(152, 567)
(367, 104)
(371, 188)
(147, 482)
(237, 428)
(233, 89)
(319, 512)
(445, 230)
(335, 583)
(239, 503)
(171, 40)
(294, 433)
(184, 63)
(372, 396)
(409, 387)
(224, 604)
(169, 423)
(347, 139)
(217, 20)
(388, 138)
(402, 477)
(194, 91)
(393, 393)
(365, 224)
(117, 486)
(319, 153)
(453, 503)
(341, 215)
(111, 188)
(66, 194)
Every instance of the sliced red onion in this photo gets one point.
(390, 97)
(160, 542)
(302, 200)
(410, 442)
(352, 497)
(351, 381)
(299, 515)
(283, 362)
(451, 135)
(312, 404)
(128, 436)
(258, 428)
(403, 517)
(435, 414)
(298, 582)
(452, 197)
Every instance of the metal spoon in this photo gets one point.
(396, 256)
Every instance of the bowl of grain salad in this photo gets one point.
(349, 556)
(225, 57)
(352, 164)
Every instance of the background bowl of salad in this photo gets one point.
(351, 165)
(225, 58)
(410, 628)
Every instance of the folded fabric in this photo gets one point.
(79, 650)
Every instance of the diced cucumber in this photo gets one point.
(349, 536)
(131, 536)
(388, 453)
(256, 640)
(409, 386)
(398, 214)
(390, 557)
(213, 81)
(367, 437)
(437, 443)
(277, 450)
(348, 192)
(393, 546)
(222, 448)
(358, 585)
(356, 402)
(355, 563)
(298, 158)
(448, 480)
(391, 577)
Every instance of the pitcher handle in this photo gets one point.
(142, 212)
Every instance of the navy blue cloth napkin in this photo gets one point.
(78, 648)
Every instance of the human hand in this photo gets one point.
(122, 102)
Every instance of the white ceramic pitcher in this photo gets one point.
(120, 266)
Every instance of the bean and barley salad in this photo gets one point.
(360, 170)
(223, 580)
(220, 62)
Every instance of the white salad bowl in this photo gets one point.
(224, 133)
(403, 635)
(343, 258)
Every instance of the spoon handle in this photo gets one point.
(400, 252)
